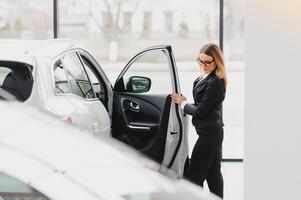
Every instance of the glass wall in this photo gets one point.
(234, 30)
(234, 34)
(109, 28)
(26, 19)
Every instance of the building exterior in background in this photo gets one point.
(143, 17)
(125, 22)
(27, 19)
(98, 24)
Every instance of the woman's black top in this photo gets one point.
(208, 95)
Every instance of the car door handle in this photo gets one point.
(134, 107)
(143, 128)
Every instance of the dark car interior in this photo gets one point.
(16, 79)
(141, 121)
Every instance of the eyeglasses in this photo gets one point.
(207, 63)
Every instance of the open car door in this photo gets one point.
(144, 116)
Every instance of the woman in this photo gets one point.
(208, 93)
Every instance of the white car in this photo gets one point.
(63, 78)
(43, 159)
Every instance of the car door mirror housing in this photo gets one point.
(138, 84)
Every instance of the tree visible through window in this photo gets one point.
(127, 21)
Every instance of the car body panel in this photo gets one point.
(42, 55)
(62, 162)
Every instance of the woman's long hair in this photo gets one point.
(217, 55)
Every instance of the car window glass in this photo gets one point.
(77, 77)
(14, 189)
(97, 84)
(94, 81)
(154, 65)
(4, 71)
(60, 79)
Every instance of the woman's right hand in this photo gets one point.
(177, 98)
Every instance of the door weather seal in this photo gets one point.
(177, 113)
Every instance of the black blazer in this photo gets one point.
(208, 95)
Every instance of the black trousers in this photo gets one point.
(205, 162)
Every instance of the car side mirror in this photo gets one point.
(138, 84)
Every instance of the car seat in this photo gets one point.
(19, 83)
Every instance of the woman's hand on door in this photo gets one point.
(177, 98)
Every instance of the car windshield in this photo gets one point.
(15, 81)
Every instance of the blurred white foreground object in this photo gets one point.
(42, 158)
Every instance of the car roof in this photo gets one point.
(26, 50)
(41, 150)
